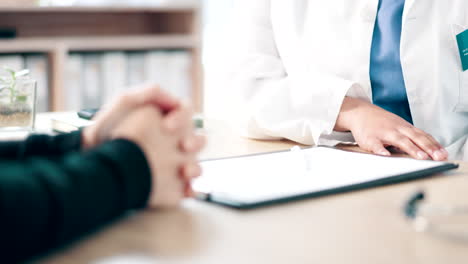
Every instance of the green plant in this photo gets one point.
(9, 82)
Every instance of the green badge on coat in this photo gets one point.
(462, 40)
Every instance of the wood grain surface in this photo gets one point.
(358, 227)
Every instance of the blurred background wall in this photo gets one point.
(215, 31)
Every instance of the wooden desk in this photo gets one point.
(358, 227)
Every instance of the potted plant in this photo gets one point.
(17, 100)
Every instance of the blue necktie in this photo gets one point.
(388, 85)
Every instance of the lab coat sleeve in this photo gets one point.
(302, 107)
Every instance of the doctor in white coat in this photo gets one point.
(376, 72)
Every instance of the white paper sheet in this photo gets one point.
(265, 177)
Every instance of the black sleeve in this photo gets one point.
(40, 145)
(45, 204)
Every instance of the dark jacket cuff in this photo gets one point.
(134, 170)
(41, 145)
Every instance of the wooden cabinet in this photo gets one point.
(57, 31)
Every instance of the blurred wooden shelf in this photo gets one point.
(137, 42)
(117, 8)
(131, 42)
(58, 31)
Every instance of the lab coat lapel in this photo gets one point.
(409, 9)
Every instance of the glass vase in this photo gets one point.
(18, 105)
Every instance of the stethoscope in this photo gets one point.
(439, 220)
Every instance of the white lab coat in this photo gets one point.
(298, 59)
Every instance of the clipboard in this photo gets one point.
(252, 181)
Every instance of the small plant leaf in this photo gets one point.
(21, 98)
(9, 70)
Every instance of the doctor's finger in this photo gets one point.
(443, 153)
(408, 146)
(424, 141)
(430, 137)
(377, 147)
